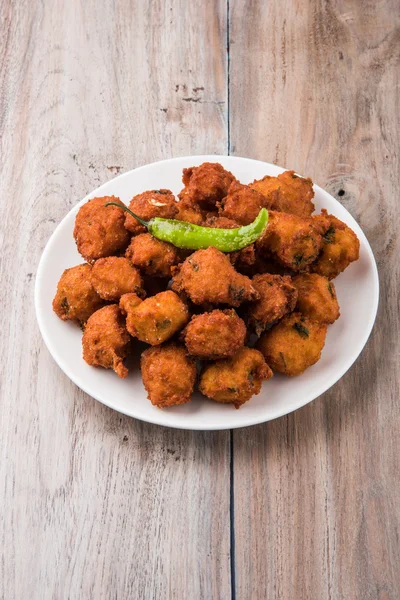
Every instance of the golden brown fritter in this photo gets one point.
(316, 297)
(189, 212)
(293, 345)
(235, 380)
(99, 230)
(76, 299)
(340, 246)
(150, 204)
(152, 256)
(158, 318)
(114, 276)
(106, 341)
(128, 302)
(169, 375)
(294, 241)
(243, 203)
(277, 298)
(208, 277)
(288, 193)
(205, 185)
(213, 335)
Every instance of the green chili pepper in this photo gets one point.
(195, 237)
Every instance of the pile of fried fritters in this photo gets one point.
(241, 316)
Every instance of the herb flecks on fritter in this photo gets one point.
(235, 380)
(208, 277)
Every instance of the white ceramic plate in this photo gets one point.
(357, 291)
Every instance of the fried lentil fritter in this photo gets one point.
(99, 230)
(213, 335)
(205, 185)
(208, 277)
(293, 345)
(277, 298)
(235, 380)
(168, 375)
(340, 246)
(76, 299)
(106, 341)
(114, 276)
(243, 203)
(157, 318)
(294, 241)
(288, 193)
(316, 297)
(152, 256)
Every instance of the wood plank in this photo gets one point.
(318, 514)
(94, 504)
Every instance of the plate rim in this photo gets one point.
(201, 427)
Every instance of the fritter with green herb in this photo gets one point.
(76, 299)
(294, 241)
(293, 345)
(235, 380)
(208, 277)
(158, 318)
(316, 297)
(340, 246)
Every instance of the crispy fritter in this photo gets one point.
(293, 345)
(294, 241)
(158, 318)
(205, 185)
(128, 302)
(288, 193)
(76, 299)
(150, 204)
(340, 246)
(213, 335)
(277, 298)
(316, 297)
(106, 341)
(99, 230)
(235, 380)
(208, 277)
(114, 276)
(189, 212)
(243, 203)
(169, 375)
(152, 256)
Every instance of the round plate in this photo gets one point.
(357, 290)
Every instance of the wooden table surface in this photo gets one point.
(94, 504)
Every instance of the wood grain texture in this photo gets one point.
(94, 504)
(317, 493)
